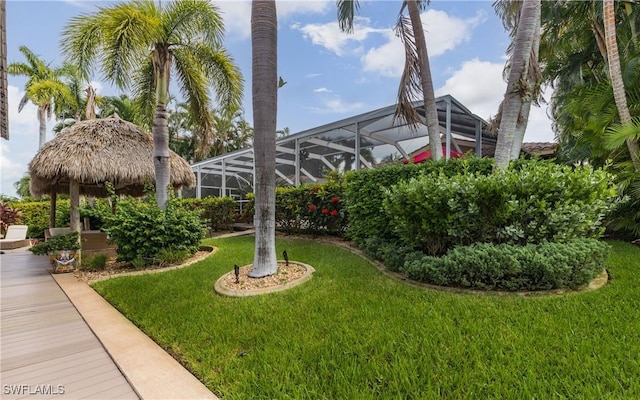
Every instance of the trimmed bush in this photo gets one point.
(365, 191)
(508, 267)
(35, 214)
(217, 212)
(141, 229)
(535, 202)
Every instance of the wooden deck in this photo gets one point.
(48, 351)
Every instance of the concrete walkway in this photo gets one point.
(48, 341)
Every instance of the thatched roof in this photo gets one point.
(97, 151)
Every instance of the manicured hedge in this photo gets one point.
(532, 202)
(508, 267)
(35, 214)
(365, 190)
(217, 212)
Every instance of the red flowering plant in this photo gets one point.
(324, 211)
(8, 216)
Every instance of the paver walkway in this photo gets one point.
(47, 349)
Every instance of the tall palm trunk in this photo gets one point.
(615, 74)
(42, 128)
(521, 124)
(264, 46)
(161, 161)
(430, 106)
(517, 84)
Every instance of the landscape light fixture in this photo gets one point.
(286, 258)
(236, 270)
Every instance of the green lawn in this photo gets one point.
(351, 332)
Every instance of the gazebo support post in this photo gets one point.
(74, 210)
(52, 208)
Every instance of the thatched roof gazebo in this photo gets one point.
(90, 153)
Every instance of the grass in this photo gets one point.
(353, 333)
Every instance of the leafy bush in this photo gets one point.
(96, 212)
(535, 202)
(217, 212)
(141, 229)
(365, 189)
(311, 208)
(509, 267)
(35, 214)
(66, 241)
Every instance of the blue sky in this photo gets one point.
(330, 75)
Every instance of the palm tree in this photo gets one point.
(264, 47)
(121, 105)
(615, 74)
(518, 87)
(509, 12)
(416, 77)
(138, 44)
(44, 88)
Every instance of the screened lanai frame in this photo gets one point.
(376, 137)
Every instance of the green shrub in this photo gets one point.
(67, 241)
(313, 209)
(96, 212)
(97, 262)
(364, 192)
(509, 267)
(533, 203)
(217, 212)
(35, 214)
(141, 229)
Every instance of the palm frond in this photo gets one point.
(193, 20)
(347, 10)
(410, 87)
(143, 89)
(618, 134)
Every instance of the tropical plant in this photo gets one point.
(121, 105)
(416, 78)
(264, 49)
(615, 75)
(138, 44)
(44, 88)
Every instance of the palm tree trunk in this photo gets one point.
(430, 106)
(264, 45)
(42, 121)
(615, 74)
(516, 91)
(161, 161)
(521, 125)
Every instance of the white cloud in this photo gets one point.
(337, 106)
(443, 33)
(480, 87)
(322, 90)
(237, 14)
(22, 145)
(330, 36)
(312, 75)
